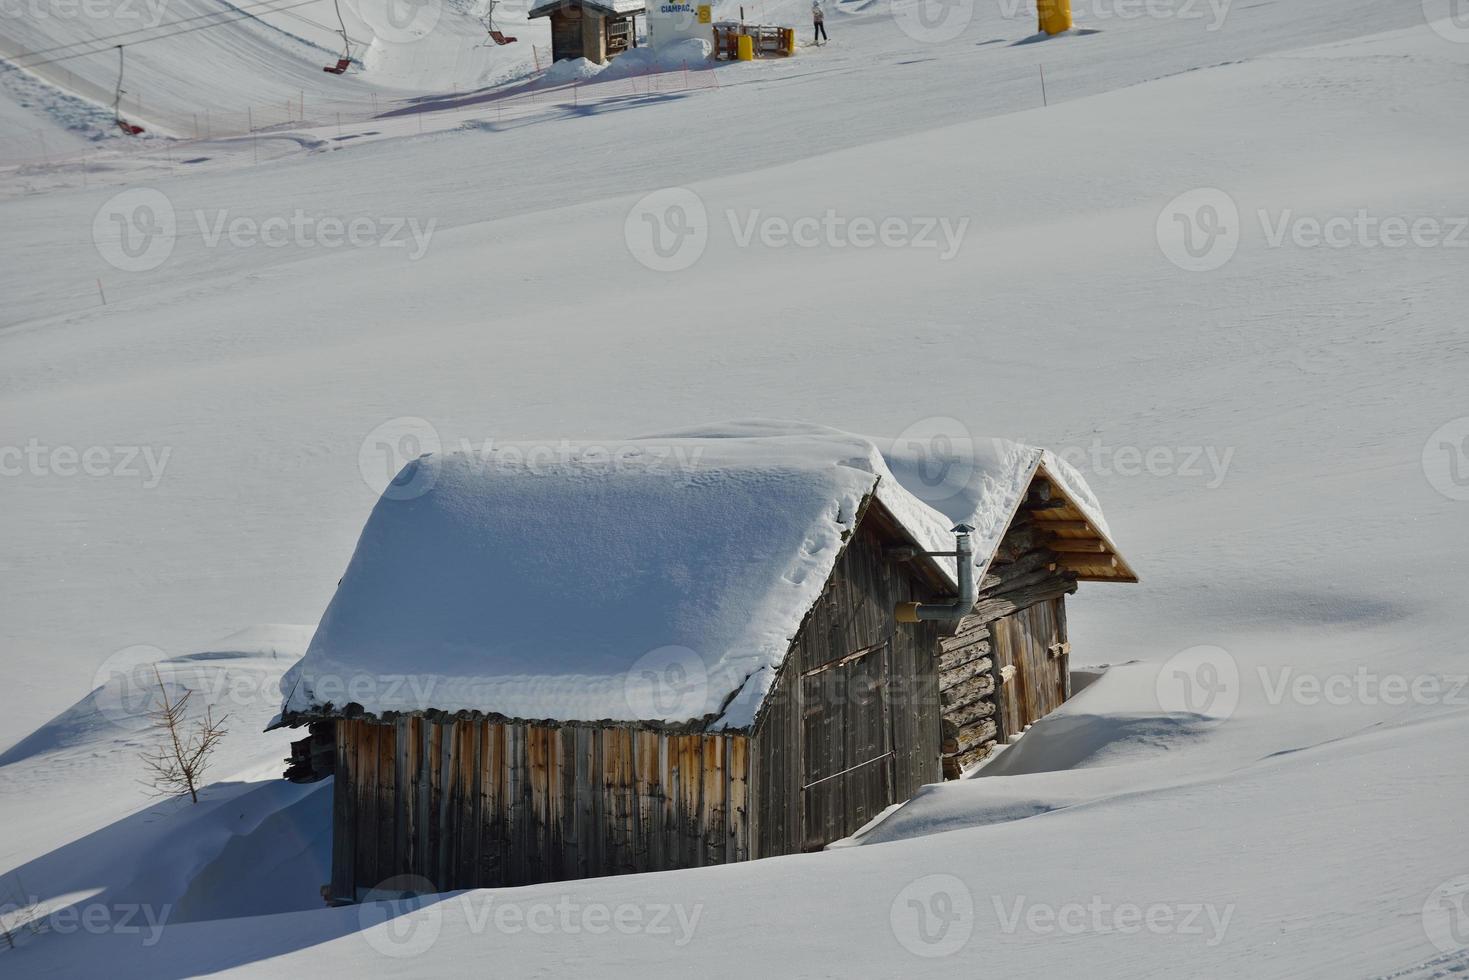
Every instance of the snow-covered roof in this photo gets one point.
(657, 580)
(544, 7)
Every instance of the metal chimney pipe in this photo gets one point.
(961, 605)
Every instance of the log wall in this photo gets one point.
(475, 803)
(1018, 622)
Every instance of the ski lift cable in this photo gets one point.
(158, 37)
(243, 8)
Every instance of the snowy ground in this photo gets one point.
(1275, 424)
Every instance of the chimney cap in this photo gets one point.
(963, 528)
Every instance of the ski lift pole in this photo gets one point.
(117, 97)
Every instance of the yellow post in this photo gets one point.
(1055, 15)
(745, 48)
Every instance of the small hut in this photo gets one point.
(597, 30)
(558, 662)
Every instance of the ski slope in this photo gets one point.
(1304, 518)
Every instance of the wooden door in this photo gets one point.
(1033, 658)
(847, 745)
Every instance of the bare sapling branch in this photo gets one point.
(178, 762)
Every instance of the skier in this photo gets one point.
(818, 23)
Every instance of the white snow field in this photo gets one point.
(1222, 272)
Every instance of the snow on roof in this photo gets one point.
(543, 7)
(657, 580)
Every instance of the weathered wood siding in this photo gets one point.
(853, 723)
(474, 803)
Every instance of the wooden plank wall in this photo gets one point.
(474, 803)
(817, 721)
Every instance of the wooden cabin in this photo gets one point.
(597, 30)
(810, 710)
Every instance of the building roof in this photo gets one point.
(656, 580)
(544, 8)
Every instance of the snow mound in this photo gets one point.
(691, 52)
(571, 70)
(580, 582)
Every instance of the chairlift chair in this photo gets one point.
(340, 68)
(499, 37)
